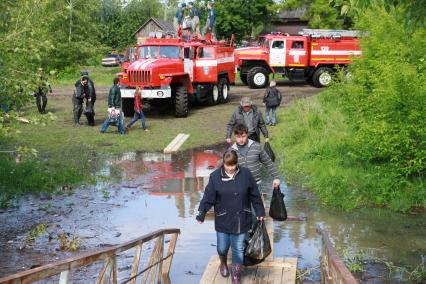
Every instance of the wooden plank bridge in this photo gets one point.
(271, 271)
(155, 270)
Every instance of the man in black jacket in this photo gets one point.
(89, 111)
(249, 115)
(115, 115)
(81, 92)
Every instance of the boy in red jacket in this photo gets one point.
(138, 111)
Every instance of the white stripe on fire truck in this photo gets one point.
(213, 62)
(297, 52)
(146, 63)
(336, 52)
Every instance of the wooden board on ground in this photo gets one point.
(277, 271)
(176, 143)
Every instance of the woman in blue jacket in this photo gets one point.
(231, 190)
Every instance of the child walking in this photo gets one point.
(138, 111)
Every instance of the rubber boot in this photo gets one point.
(236, 273)
(223, 268)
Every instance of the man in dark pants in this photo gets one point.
(114, 108)
(81, 91)
(43, 87)
(89, 111)
(249, 115)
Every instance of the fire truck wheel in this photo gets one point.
(213, 98)
(243, 78)
(181, 102)
(258, 77)
(223, 90)
(128, 106)
(322, 77)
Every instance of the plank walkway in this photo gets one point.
(271, 271)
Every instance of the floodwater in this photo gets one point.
(137, 193)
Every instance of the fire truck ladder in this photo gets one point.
(316, 33)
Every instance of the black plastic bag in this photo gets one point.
(258, 246)
(277, 209)
(268, 150)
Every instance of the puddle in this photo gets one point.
(151, 191)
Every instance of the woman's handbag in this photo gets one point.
(277, 209)
(258, 246)
(268, 150)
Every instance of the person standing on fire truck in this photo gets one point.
(249, 115)
(211, 20)
(178, 19)
(43, 87)
(195, 18)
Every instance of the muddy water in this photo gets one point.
(148, 192)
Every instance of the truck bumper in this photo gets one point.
(156, 93)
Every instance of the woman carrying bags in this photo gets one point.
(231, 190)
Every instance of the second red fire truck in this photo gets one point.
(314, 53)
(172, 70)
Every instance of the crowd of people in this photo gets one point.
(234, 188)
(187, 20)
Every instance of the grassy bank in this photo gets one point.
(102, 76)
(316, 147)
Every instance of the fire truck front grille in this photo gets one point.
(139, 76)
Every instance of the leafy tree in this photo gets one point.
(242, 18)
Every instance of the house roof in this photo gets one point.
(164, 25)
(292, 14)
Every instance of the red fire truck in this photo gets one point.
(179, 72)
(314, 53)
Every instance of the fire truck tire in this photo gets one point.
(214, 95)
(243, 78)
(128, 106)
(223, 90)
(181, 102)
(322, 77)
(258, 77)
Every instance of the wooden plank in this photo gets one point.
(276, 272)
(262, 275)
(64, 277)
(211, 271)
(176, 143)
(289, 272)
(170, 253)
(249, 275)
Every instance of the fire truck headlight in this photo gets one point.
(160, 93)
(162, 77)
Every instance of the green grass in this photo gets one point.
(316, 149)
(102, 76)
(69, 156)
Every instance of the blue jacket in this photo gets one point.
(231, 199)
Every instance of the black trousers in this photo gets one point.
(41, 98)
(254, 137)
(77, 109)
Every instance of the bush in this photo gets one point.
(362, 142)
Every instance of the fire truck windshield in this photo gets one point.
(157, 51)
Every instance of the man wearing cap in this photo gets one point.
(249, 115)
(89, 111)
(195, 18)
(81, 92)
(43, 87)
(178, 19)
(211, 19)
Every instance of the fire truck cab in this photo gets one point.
(179, 72)
(314, 53)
